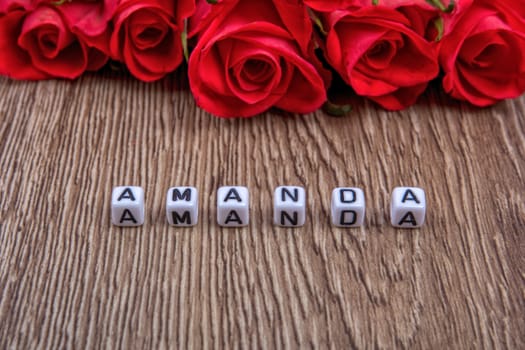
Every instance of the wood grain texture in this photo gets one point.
(69, 279)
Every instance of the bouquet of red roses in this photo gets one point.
(245, 56)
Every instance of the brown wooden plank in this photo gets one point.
(70, 279)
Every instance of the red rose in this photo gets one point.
(483, 54)
(331, 5)
(377, 51)
(89, 20)
(252, 55)
(37, 43)
(147, 36)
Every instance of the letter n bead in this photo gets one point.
(408, 207)
(127, 206)
(289, 206)
(348, 207)
(182, 206)
(233, 206)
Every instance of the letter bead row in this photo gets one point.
(407, 208)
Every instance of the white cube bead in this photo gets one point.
(408, 207)
(289, 206)
(348, 207)
(182, 206)
(127, 206)
(233, 206)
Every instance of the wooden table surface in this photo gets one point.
(69, 279)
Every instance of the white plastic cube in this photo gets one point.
(348, 207)
(289, 206)
(127, 206)
(233, 206)
(408, 207)
(182, 206)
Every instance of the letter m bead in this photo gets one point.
(182, 206)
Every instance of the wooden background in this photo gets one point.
(68, 279)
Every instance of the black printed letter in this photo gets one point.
(126, 194)
(408, 218)
(186, 218)
(294, 197)
(293, 221)
(409, 196)
(233, 194)
(353, 216)
(233, 217)
(176, 195)
(127, 216)
(344, 199)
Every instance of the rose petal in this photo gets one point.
(15, 62)
(68, 57)
(400, 98)
(243, 42)
(147, 39)
(307, 91)
(147, 30)
(489, 34)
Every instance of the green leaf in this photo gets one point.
(336, 110)
(317, 21)
(184, 39)
(439, 5)
(440, 27)
(450, 6)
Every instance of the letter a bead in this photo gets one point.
(127, 206)
(408, 207)
(182, 206)
(233, 206)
